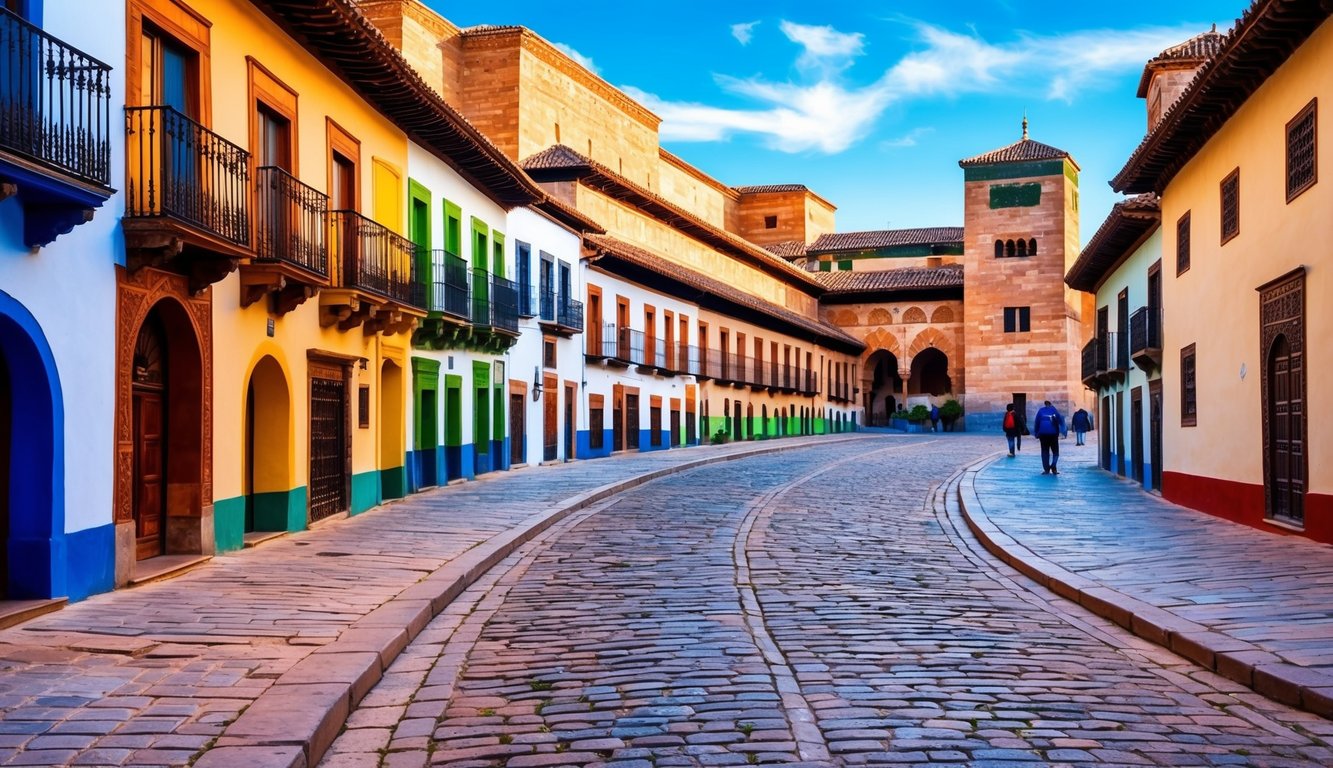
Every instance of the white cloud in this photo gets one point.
(909, 139)
(825, 113)
(823, 46)
(578, 57)
(744, 32)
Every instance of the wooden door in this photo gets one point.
(518, 427)
(1155, 432)
(569, 422)
(428, 436)
(617, 418)
(1105, 428)
(328, 448)
(632, 421)
(550, 421)
(149, 474)
(1120, 433)
(1286, 464)
(1136, 433)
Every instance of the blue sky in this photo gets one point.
(872, 104)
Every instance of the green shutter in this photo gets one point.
(453, 229)
(498, 251)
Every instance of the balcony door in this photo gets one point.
(168, 80)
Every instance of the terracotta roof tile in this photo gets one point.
(1196, 50)
(758, 189)
(645, 259)
(790, 249)
(1022, 151)
(904, 279)
(887, 238)
(1126, 224)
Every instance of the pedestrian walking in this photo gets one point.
(1049, 425)
(1082, 423)
(1013, 429)
(934, 416)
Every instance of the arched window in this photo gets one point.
(1022, 247)
(1009, 248)
(1032, 247)
(999, 249)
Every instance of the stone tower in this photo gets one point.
(1023, 327)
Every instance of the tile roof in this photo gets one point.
(903, 279)
(758, 189)
(1022, 151)
(559, 162)
(570, 216)
(1196, 50)
(1128, 223)
(886, 238)
(606, 245)
(1264, 37)
(789, 249)
(344, 40)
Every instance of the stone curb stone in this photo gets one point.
(1234, 659)
(299, 718)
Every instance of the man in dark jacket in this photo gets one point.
(1048, 425)
(1081, 424)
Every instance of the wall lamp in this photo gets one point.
(536, 383)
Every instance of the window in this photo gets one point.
(453, 229)
(363, 407)
(1189, 408)
(999, 249)
(523, 265)
(1231, 206)
(596, 421)
(1301, 163)
(770, 222)
(1032, 247)
(548, 352)
(1017, 319)
(1183, 244)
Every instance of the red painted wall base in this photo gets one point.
(1244, 503)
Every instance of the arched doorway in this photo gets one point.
(1285, 407)
(930, 373)
(886, 387)
(393, 479)
(268, 436)
(150, 390)
(32, 504)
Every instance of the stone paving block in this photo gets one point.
(253, 757)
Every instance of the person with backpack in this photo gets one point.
(1013, 429)
(934, 416)
(1081, 424)
(1049, 425)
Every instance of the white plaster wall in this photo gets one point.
(70, 285)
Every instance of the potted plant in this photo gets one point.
(719, 437)
(950, 412)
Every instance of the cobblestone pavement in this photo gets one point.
(151, 675)
(1272, 591)
(818, 607)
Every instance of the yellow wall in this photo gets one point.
(240, 334)
(1214, 304)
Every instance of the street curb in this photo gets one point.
(294, 722)
(1245, 663)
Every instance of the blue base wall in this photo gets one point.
(585, 449)
(92, 562)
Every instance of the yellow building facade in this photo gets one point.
(1246, 233)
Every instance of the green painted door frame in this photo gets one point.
(418, 223)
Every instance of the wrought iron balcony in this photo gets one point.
(560, 313)
(569, 314)
(1093, 362)
(546, 304)
(494, 302)
(372, 258)
(180, 170)
(55, 103)
(623, 345)
(450, 292)
(291, 222)
(1145, 331)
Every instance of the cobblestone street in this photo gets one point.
(822, 606)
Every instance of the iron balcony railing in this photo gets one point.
(55, 102)
(1145, 329)
(569, 314)
(546, 303)
(182, 170)
(623, 344)
(527, 300)
(450, 293)
(292, 221)
(373, 258)
(1117, 352)
(494, 301)
(1093, 360)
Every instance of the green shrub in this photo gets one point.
(952, 409)
(918, 413)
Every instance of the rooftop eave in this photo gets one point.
(1123, 232)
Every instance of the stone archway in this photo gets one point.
(32, 460)
(930, 374)
(884, 388)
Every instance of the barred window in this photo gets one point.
(1231, 206)
(1183, 243)
(1189, 409)
(1301, 167)
(1017, 319)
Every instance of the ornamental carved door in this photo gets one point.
(1282, 334)
(550, 419)
(149, 498)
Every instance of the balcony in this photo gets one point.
(560, 314)
(1105, 360)
(291, 258)
(623, 346)
(187, 207)
(55, 129)
(1145, 334)
(494, 312)
(375, 284)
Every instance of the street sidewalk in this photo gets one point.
(264, 652)
(1253, 605)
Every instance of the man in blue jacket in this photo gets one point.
(1049, 425)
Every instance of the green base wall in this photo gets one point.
(366, 489)
(821, 427)
(229, 524)
(393, 483)
(274, 511)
